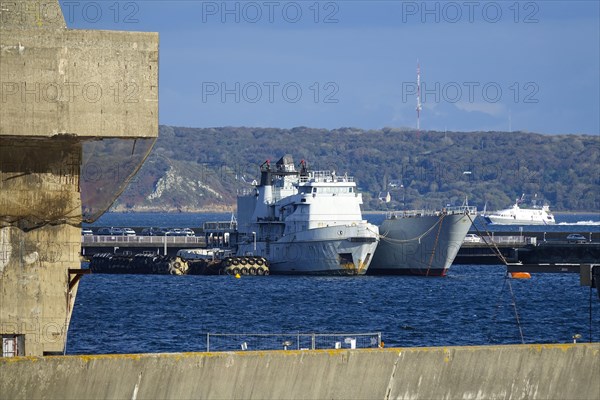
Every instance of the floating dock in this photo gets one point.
(150, 264)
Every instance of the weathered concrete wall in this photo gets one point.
(494, 372)
(40, 210)
(40, 181)
(58, 89)
(87, 83)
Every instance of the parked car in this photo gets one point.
(153, 232)
(576, 238)
(472, 238)
(188, 232)
(128, 232)
(116, 231)
(180, 232)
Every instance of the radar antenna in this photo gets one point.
(419, 105)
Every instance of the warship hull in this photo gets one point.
(334, 250)
(419, 244)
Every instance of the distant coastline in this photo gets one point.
(178, 210)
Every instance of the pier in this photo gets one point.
(514, 248)
(483, 253)
(547, 371)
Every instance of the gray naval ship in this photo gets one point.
(421, 242)
(305, 222)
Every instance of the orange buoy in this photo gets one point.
(520, 275)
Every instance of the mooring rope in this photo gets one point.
(492, 245)
(514, 303)
(437, 237)
(400, 241)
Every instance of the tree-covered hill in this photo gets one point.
(193, 169)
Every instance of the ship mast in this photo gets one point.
(419, 106)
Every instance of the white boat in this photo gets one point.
(521, 216)
(305, 222)
(421, 242)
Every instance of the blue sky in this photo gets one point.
(490, 65)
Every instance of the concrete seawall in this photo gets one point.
(565, 371)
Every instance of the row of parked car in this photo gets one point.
(116, 231)
(145, 232)
(168, 232)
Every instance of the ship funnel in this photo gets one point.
(286, 164)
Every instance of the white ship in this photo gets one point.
(306, 222)
(521, 216)
(421, 242)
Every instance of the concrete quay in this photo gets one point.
(551, 371)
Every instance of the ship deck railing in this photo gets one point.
(424, 212)
(325, 176)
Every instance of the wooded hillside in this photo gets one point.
(193, 169)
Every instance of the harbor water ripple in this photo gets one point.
(472, 305)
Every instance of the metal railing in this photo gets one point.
(425, 213)
(90, 239)
(509, 239)
(471, 210)
(501, 240)
(325, 176)
(291, 341)
(219, 226)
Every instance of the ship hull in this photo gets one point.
(334, 250)
(420, 245)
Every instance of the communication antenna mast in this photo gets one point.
(419, 106)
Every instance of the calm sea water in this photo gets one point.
(473, 305)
